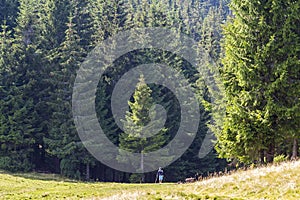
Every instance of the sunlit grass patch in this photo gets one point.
(272, 182)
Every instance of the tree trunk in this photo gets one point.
(124, 179)
(295, 149)
(270, 153)
(114, 175)
(142, 162)
(142, 167)
(87, 176)
(262, 156)
(104, 173)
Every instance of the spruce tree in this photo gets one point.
(24, 84)
(261, 79)
(15, 129)
(135, 138)
(63, 141)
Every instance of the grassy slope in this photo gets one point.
(274, 182)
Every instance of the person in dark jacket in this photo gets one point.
(160, 175)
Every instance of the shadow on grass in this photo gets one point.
(40, 176)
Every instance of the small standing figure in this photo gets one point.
(160, 175)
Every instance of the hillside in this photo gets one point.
(273, 182)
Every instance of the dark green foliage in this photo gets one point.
(42, 45)
(21, 132)
(8, 12)
(136, 178)
(63, 140)
(261, 78)
(135, 138)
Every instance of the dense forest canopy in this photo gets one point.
(254, 47)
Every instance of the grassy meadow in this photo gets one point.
(273, 182)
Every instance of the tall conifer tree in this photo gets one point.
(261, 78)
(136, 138)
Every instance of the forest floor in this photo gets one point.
(273, 182)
